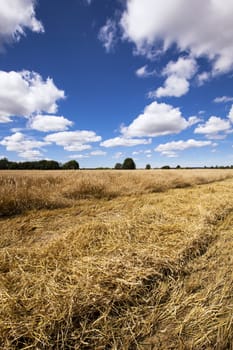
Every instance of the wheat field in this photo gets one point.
(116, 260)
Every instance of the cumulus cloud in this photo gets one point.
(203, 77)
(223, 99)
(124, 141)
(213, 127)
(193, 120)
(158, 119)
(16, 16)
(79, 156)
(194, 26)
(184, 67)
(26, 147)
(230, 115)
(4, 119)
(135, 153)
(108, 35)
(170, 149)
(25, 93)
(173, 86)
(48, 123)
(178, 75)
(144, 72)
(118, 155)
(74, 140)
(88, 155)
(31, 154)
(98, 153)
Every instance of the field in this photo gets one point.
(116, 260)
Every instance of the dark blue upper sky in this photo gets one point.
(99, 81)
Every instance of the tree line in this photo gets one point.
(38, 165)
(128, 163)
(54, 165)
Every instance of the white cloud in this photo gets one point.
(124, 141)
(178, 74)
(88, 155)
(193, 120)
(173, 86)
(144, 72)
(4, 119)
(26, 147)
(223, 99)
(74, 140)
(15, 17)
(14, 130)
(214, 126)
(203, 77)
(108, 35)
(158, 119)
(118, 155)
(98, 153)
(135, 153)
(194, 26)
(77, 147)
(184, 67)
(230, 115)
(48, 123)
(79, 156)
(170, 149)
(170, 154)
(31, 154)
(25, 93)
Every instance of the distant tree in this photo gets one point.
(4, 163)
(53, 165)
(72, 164)
(178, 167)
(128, 164)
(166, 167)
(42, 165)
(118, 166)
(148, 166)
(13, 165)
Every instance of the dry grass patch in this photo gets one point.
(143, 271)
(26, 190)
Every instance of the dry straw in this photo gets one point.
(116, 260)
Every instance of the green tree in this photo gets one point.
(13, 165)
(4, 163)
(148, 166)
(118, 166)
(128, 164)
(72, 164)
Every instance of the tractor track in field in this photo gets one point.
(160, 263)
(204, 269)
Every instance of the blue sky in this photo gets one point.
(99, 81)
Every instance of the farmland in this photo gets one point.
(116, 259)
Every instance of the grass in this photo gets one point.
(116, 260)
(26, 190)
